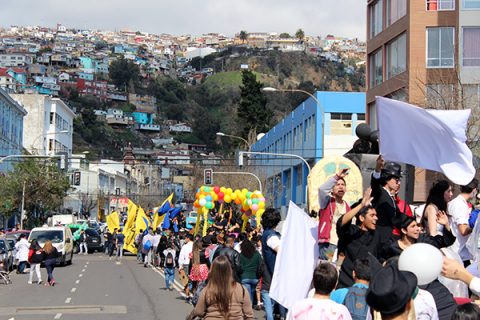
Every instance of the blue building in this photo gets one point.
(311, 131)
(11, 126)
(143, 117)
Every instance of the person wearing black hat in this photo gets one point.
(411, 233)
(391, 292)
(385, 183)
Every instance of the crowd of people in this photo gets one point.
(227, 273)
(358, 275)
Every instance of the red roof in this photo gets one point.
(3, 73)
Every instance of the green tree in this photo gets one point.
(300, 35)
(243, 36)
(284, 35)
(124, 73)
(45, 188)
(252, 110)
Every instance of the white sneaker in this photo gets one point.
(30, 282)
(183, 295)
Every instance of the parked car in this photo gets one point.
(16, 234)
(94, 241)
(61, 238)
(6, 254)
(191, 220)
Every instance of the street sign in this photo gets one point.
(208, 177)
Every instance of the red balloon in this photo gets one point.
(216, 189)
(221, 195)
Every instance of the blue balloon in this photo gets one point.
(208, 198)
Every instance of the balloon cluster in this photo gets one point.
(250, 202)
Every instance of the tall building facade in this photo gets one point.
(48, 128)
(312, 131)
(11, 128)
(425, 52)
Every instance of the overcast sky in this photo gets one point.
(316, 17)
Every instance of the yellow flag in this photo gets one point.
(160, 212)
(131, 215)
(129, 243)
(142, 222)
(113, 221)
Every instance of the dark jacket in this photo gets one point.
(52, 255)
(443, 299)
(37, 256)
(386, 209)
(356, 244)
(234, 258)
(392, 249)
(269, 255)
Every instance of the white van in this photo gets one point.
(61, 238)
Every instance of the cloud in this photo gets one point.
(315, 17)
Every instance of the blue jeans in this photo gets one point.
(267, 304)
(21, 266)
(50, 265)
(169, 276)
(250, 285)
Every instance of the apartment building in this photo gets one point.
(425, 52)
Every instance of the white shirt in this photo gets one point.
(425, 307)
(475, 286)
(156, 240)
(22, 248)
(184, 256)
(459, 211)
(146, 238)
(314, 309)
(273, 242)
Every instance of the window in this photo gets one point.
(51, 117)
(440, 47)
(471, 47)
(471, 4)
(440, 96)
(376, 68)
(376, 18)
(341, 116)
(395, 10)
(440, 5)
(361, 116)
(397, 56)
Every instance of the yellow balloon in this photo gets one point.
(244, 191)
(227, 198)
(215, 197)
(204, 210)
(242, 196)
(202, 189)
(233, 196)
(260, 212)
(261, 205)
(223, 189)
(229, 190)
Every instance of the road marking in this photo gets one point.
(77, 282)
(73, 290)
(11, 319)
(80, 275)
(68, 300)
(177, 285)
(87, 262)
(83, 270)
(85, 266)
(57, 316)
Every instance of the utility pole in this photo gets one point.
(23, 206)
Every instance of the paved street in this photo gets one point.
(94, 287)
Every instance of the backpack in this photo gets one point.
(169, 263)
(356, 302)
(147, 245)
(30, 254)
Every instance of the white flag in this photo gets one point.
(296, 259)
(430, 139)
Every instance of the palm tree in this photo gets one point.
(243, 36)
(300, 35)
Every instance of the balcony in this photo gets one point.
(148, 127)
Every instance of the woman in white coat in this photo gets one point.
(22, 247)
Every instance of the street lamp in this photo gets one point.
(221, 134)
(270, 89)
